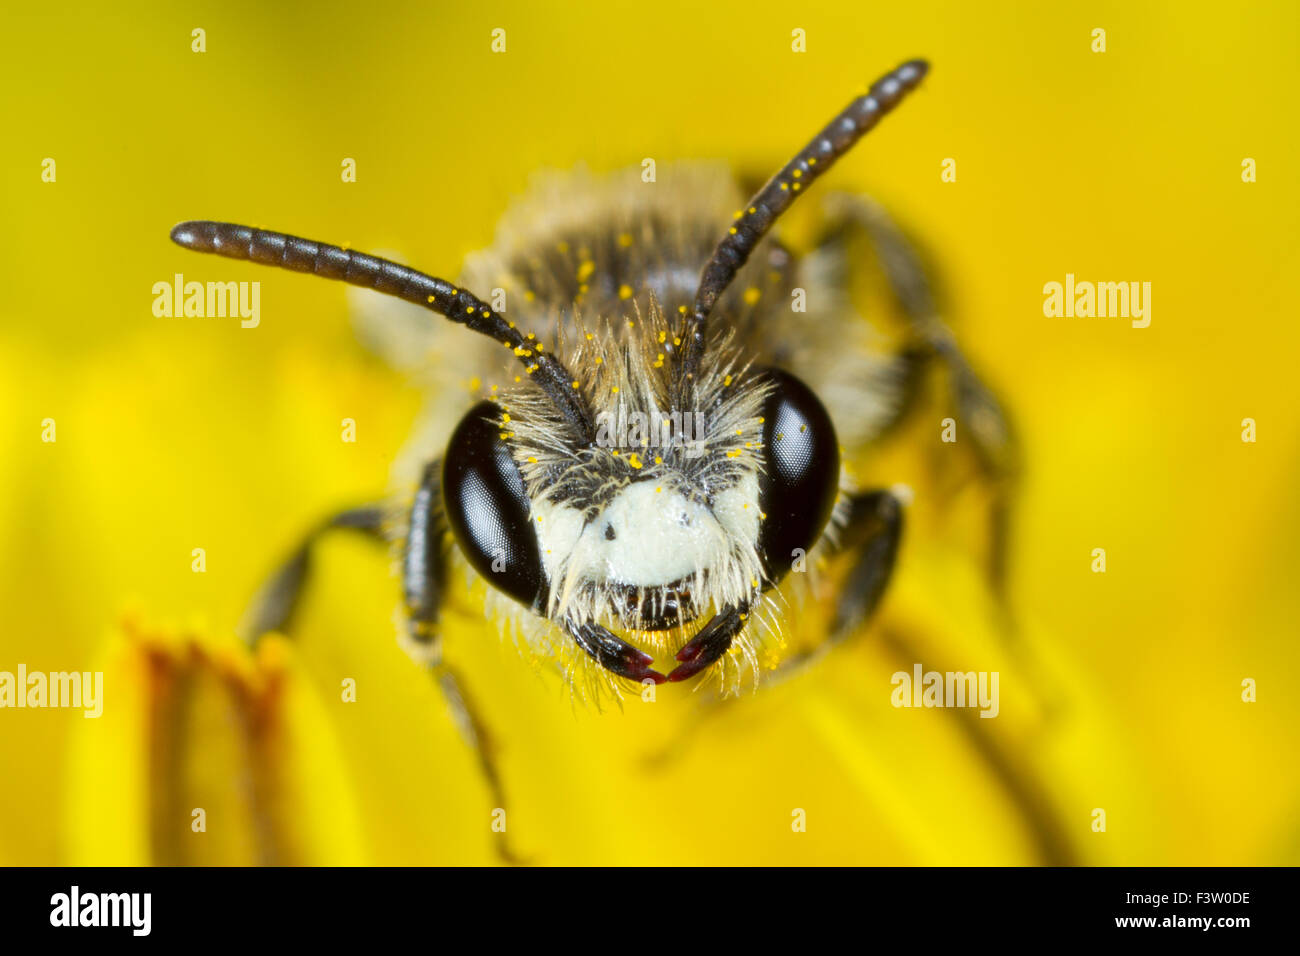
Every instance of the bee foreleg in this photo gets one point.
(873, 532)
(475, 733)
(424, 572)
(423, 564)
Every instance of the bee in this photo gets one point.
(650, 482)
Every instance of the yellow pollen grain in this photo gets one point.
(585, 270)
(575, 384)
(803, 428)
(752, 210)
(528, 295)
(494, 388)
(475, 384)
(676, 340)
(634, 461)
(530, 335)
(796, 186)
(663, 336)
(487, 314)
(763, 515)
(625, 239)
(616, 391)
(681, 309)
(733, 454)
(732, 230)
(590, 336)
(797, 173)
(533, 460)
(505, 418)
(812, 160)
(738, 214)
(784, 187)
(657, 490)
(599, 360)
(761, 420)
(780, 435)
(658, 460)
(517, 378)
(431, 297)
(726, 381)
(751, 295)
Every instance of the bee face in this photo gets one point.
(645, 537)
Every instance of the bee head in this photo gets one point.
(664, 516)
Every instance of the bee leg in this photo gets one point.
(423, 564)
(977, 408)
(874, 530)
(275, 604)
(873, 533)
(424, 572)
(992, 438)
(466, 717)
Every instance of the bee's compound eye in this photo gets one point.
(801, 480)
(487, 507)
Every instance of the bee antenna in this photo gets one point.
(371, 272)
(775, 197)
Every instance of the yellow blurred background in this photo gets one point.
(175, 434)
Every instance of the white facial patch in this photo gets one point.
(648, 535)
(647, 538)
(558, 528)
(737, 510)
